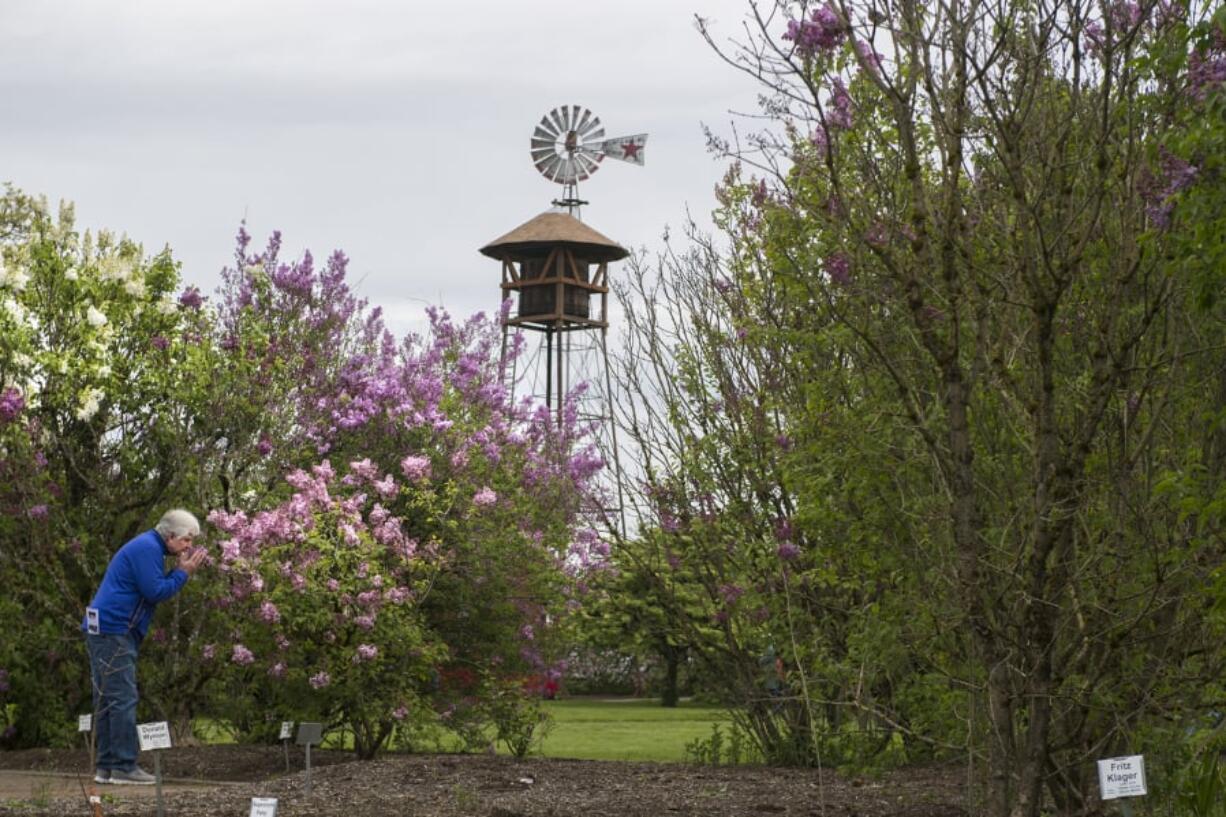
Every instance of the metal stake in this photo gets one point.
(308, 770)
(157, 775)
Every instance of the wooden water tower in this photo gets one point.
(555, 269)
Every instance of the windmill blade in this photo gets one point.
(557, 121)
(625, 148)
(582, 127)
(594, 137)
(545, 130)
(587, 165)
(571, 114)
(548, 166)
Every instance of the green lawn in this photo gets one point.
(587, 729)
(626, 728)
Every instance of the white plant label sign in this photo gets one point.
(1122, 777)
(287, 732)
(85, 723)
(154, 735)
(263, 807)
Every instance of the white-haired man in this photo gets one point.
(115, 623)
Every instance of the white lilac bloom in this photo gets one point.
(95, 317)
(71, 274)
(135, 286)
(91, 400)
(16, 310)
(167, 305)
(13, 277)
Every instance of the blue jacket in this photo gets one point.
(134, 583)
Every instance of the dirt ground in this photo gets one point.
(222, 780)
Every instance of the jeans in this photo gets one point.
(112, 668)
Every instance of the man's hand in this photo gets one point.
(191, 559)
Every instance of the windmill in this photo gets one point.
(557, 269)
(568, 146)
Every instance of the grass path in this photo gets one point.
(626, 728)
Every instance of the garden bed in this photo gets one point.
(496, 786)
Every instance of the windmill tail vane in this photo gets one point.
(626, 148)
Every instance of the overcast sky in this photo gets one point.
(396, 131)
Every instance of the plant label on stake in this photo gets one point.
(85, 723)
(1122, 777)
(263, 807)
(287, 733)
(153, 737)
(309, 733)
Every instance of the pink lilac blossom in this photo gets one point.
(1158, 191)
(398, 595)
(870, 57)
(839, 112)
(361, 471)
(820, 140)
(788, 551)
(1206, 71)
(278, 670)
(400, 713)
(11, 404)
(386, 487)
(730, 593)
(1125, 15)
(838, 267)
(822, 32)
(1095, 37)
(320, 680)
(269, 613)
(242, 656)
(208, 651)
(485, 497)
(191, 298)
(366, 652)
(415, 468)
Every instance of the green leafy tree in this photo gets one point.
(92, 434)
(974, 215)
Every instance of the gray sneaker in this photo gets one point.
(102, 776)
(136, 777)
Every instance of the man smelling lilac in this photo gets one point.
(115, 624)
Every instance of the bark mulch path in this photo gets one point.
(221, 780)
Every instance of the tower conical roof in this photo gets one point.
(550, 229)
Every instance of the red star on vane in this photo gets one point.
(630, 150)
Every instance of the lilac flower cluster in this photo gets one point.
(823, 32)
(1207, 67)
(838, 268)
(1158, 190)
(838, 115)
(11, 404)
